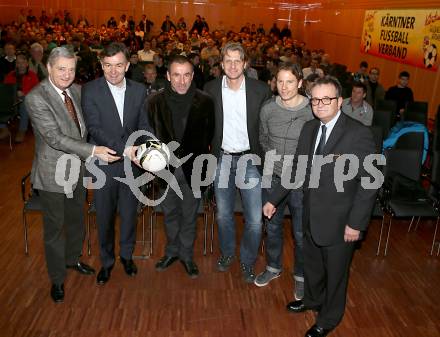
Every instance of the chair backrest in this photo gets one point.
(378, 137)
(7, 100)
(436, 141)
(386, 104)
(405, 162)
(416, 112)
(383, 119)
(411, 141)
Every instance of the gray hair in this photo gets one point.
(234, 46)
(60, 52)
(37, 46)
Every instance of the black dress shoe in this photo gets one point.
(317, 331)
(165, 262)
(82, 268)
(129, 266)
(296, 306)
(57, 293)
(191, 268)
(103, 275)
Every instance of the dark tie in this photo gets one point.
(71, 108)
(321, 144)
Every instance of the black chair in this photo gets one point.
(384, 119)
(404, 195)
(91, 213)
(206, 210)
(8, 107)
(416, 112)
(31, 203)
(411, 141)
(387, 105)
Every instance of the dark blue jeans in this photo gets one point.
(232, 174)
(275, 235)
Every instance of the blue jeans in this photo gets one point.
(227, 181)
(274, 227)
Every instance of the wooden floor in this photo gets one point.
(394, 296)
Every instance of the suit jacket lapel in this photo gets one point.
(168, 119)
(337, 133)
(76, 100)
(107, 99)
(58, 104)
(219, 101)
(313, 135)
(249, 101)
(127, 101)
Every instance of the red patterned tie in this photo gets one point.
(71, 108)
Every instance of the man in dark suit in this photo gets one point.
(55, 112)
(112, 108)
(333, 219)
(238, 102)
(185, 114)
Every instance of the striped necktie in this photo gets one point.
(71, 108)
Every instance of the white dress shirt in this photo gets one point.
(329, 128)
(235, 133)
(118, 94)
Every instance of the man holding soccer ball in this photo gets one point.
(184, 114)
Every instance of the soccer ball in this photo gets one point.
(367, 44)
(153, 155)
(430, 56)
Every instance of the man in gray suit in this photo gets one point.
(55, 112)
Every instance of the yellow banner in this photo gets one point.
(406, 36)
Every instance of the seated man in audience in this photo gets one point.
(152, 82)
(24, 79)
(146, 54)
(361, 75)
(313, 69)
(36, 61)
(401, 93)
(356, 107)
(135, 70)
(375, 90)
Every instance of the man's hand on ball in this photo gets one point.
(106, 154)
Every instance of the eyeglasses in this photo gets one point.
(324, 100)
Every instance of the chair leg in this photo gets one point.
(89, 243)
(417, 224)
(380, 235)
(410, 224)
(388, 236)
(26, 248)
(435, 236)
(263, 232)
(212, 230)
(143, 242)
(205, 233)
(151, 237)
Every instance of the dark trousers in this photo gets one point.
(115, 198)
(180, 217)
(326, 271)
(63, 223)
